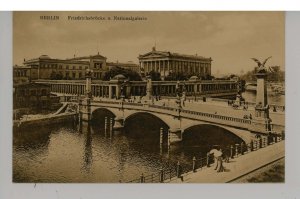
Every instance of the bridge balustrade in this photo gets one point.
(219, 117)
(231, 121)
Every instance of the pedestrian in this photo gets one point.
(250, 116)
(220, 162)
(226, 154)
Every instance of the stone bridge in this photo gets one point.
(178, 119)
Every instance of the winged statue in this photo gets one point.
(261, 65)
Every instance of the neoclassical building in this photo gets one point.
(166, 62)
(45, 67)
(126, 65)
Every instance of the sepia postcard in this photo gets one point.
(148, 97)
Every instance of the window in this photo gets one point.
(98, 65)
(86, 67)
(44, 92)
(67, 67)
(74, 75)
(80, 75)
(33, 92)
(74, 67)
(80, 67)
(60, 66)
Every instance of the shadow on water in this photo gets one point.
(144, 130)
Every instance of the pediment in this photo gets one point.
(154, 55)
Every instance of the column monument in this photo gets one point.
(149, 88)
(261, 121)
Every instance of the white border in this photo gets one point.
(150, 5)
(90, 191)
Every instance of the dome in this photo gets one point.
(44, 57)
(119, 77)
(194, 78)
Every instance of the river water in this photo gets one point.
(92, 153)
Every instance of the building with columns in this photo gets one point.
(113, 88)
(125, 65)
(166, 62)
(45, 67)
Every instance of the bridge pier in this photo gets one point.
(174, 135)
(85, 110)
(118, 123)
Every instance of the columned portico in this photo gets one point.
(166, 62)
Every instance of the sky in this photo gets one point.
(229, 38)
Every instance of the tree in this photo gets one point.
(180, 76)
(155, 76)
(274, 74)
(130, 74)
(207, 77)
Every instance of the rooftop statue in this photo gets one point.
(88, 72)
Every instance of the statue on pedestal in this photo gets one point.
(261, 66)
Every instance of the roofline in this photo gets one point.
(75, 59)
(176, 55)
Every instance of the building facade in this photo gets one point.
(167, 63)
(21, 74)
(45, 67)
(128, 65)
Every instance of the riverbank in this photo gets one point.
(237, 167)
(40, 120)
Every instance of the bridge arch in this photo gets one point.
(163, 118)
(238, 135)
(100, 112)
(144, 127)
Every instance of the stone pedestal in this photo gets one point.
(149, 89)
(261, 121)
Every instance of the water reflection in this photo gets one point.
(88, 156)
(88, 153)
